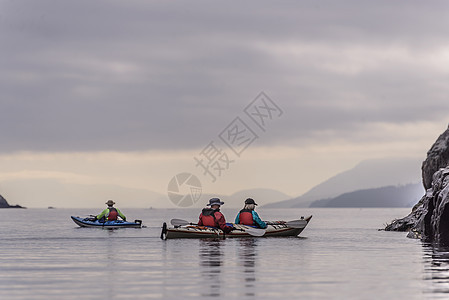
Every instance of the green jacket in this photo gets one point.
(105, 213)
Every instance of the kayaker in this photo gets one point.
(211, 216)
(248, 216)
(110, 214)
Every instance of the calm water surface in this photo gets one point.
(340, 255)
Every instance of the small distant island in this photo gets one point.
(5, 204)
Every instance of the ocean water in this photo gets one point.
(340, 255)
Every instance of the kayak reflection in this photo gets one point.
(211, 260)
(247, 260)
(214, 258)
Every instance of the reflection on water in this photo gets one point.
(214, 264)
(247, 258)
(211, 260)
(436, 268)
(111, 261)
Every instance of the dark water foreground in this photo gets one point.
(340, 255)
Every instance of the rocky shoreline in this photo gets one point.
(429, 218)
(5, 204)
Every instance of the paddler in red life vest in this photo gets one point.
(211, 216)
(248, 216)
(110, 214)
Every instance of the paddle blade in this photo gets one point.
(297, 223)
(254, 231)
(179, 222)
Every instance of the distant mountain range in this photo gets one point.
(55, 193)
(366, 175)
(236, 200)
(389, 196)
(370, 174)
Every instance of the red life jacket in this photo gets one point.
(246, 217)
(112, 216)
(208, 217)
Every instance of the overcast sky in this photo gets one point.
(355, 80)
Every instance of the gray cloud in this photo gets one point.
(114, 75)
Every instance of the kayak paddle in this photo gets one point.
(179, 222)
(296, 223)
(250, 230)
(253, 231)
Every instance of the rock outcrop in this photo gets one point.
(437, 157)
(5, 204)
(429, 219)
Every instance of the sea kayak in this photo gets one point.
(274, 229)
(87, 222)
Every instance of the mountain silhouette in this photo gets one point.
(366, 175)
